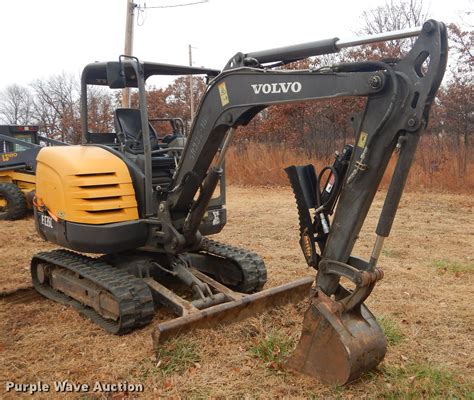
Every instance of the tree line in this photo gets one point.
(310, 127)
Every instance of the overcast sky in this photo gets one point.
(44, 37)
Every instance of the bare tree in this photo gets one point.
(100, 105)
(16, 105)
(457, 97)
(57, 107)
(394, 15)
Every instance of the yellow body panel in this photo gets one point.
(85, 184)
(25, 182)
(17, 177)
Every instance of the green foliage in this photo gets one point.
(177, 357)
(391, 253)
(273, 348)
(417, 381)
(453, 266)
(391, 329)
(198, 393)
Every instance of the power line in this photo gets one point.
(174, 5)
(141, 9)
(141, 14)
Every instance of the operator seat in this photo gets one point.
(128, 125)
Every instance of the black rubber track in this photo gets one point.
(16, 202)
(133, 296)
(254, 271)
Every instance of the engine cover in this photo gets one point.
(85, 184)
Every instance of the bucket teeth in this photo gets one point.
(337, 347)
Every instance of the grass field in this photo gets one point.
(436, 168)
(424, 304)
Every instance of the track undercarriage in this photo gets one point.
(121, 292)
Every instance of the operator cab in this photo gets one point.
(19, 146)
(166, 134)
(25, 133)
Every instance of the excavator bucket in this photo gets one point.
(239, 307)
(337, 347)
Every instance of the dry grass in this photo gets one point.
(434, 168)
(427, 311)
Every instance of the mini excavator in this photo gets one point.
(146, 203)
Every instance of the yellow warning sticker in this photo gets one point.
(362, 139)
(223, 94)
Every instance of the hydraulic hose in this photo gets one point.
(372, 66)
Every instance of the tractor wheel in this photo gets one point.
(12, 202)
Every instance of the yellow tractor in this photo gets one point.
(19, 146)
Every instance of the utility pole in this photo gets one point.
(191, 94)
(128, 51)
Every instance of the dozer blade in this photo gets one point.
(235, 310)
(337, 347)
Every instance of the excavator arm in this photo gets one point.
(398, 100)
(340, 338)
(236, 96)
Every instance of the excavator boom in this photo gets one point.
(341, 338)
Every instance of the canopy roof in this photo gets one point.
(96, 73)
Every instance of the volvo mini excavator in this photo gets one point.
(146, 205)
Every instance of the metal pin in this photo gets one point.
(376, 251)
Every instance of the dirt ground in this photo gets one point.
(425, 301)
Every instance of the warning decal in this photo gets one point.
(223, 94)
(362, 139)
